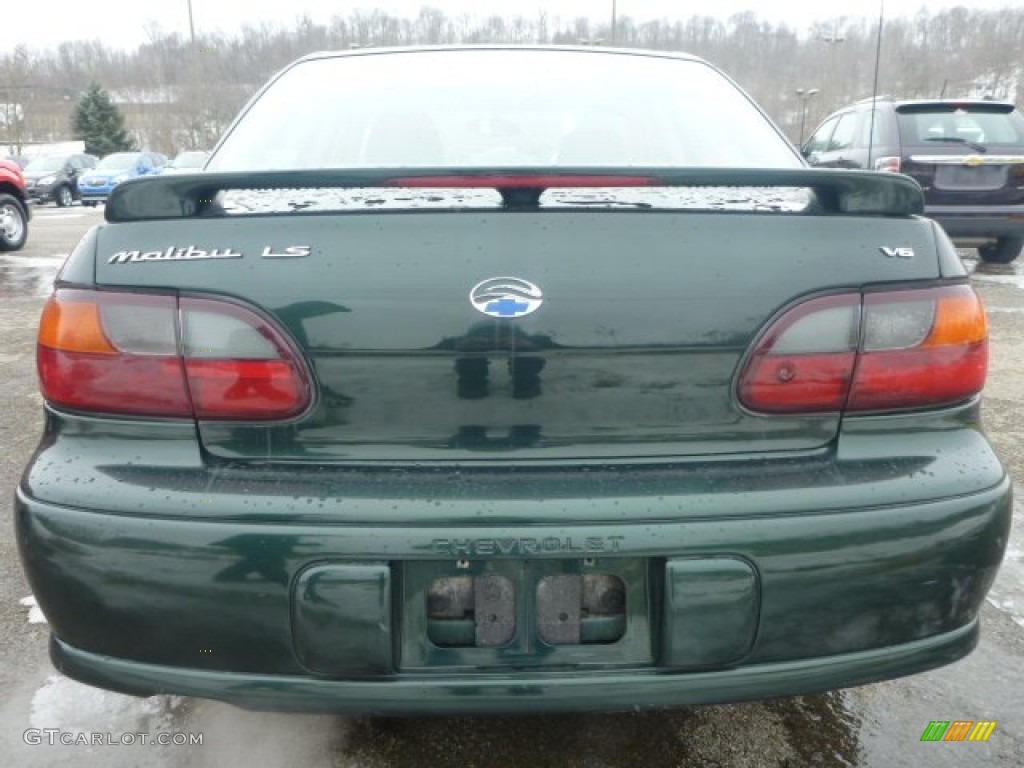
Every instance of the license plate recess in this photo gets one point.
(526, 613)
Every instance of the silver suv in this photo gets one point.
(967, 155)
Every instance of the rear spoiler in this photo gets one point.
(837, 191)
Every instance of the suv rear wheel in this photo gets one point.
(13, 223)
(63, 198)
(1003, 251)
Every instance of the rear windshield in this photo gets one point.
(969, 124)
(501, 108)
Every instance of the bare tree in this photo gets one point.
(176, 94)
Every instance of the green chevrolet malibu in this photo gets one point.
(501, 379)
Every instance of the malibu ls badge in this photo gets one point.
(506, 297)
(192, 253)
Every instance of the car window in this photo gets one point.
(870, 133)
(976, 124)
(543, 108)
(846, 129)
(820, 138)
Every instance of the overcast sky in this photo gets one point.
(122, 23)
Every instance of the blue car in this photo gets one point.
(96, 185)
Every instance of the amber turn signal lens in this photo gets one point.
(73, 326)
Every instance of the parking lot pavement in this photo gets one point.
(875, 725)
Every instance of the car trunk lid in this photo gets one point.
(642, 320)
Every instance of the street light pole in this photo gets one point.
(832, 41)
(197, 95)
(805, 96)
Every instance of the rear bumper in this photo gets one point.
(38, 194)
(223, 609)
(519, 692)
(41, 194)
(95, 193)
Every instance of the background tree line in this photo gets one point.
(178, 95)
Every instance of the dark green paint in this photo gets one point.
(635, 358)
(711, 611)
(80, 266)
(831, 584)
(285, 566)
(341, 619)
(520, 692)
(96, 464)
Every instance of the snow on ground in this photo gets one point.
(1008, 591)
(22, 276)
(76, 708)
(35, 615)
(66, 705)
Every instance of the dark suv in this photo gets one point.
(967, 155)
(55, 177)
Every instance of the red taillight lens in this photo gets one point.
(91, 357)
(521, 181)
(931, 348)
(888, 164)
(805, 360)
(238, 366)
(883, 351)
(156, 355)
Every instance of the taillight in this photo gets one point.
(880, 351)
(805, 360)
(521, 181)
(888, 164)
(920, 348)
(157, 355)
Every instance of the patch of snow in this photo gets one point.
(999, 274)
(1007, 593)
(76, 708)
(33, 262)
(35, 614)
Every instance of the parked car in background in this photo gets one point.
(187, 162)
(562, 384)
(14, 210)
(55, 177)
(967, 155)
(95, 185)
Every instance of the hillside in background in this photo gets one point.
(179, 95)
